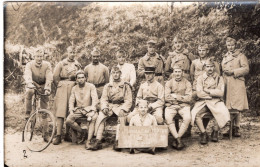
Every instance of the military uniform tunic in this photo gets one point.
(64, 79)
(235, 97)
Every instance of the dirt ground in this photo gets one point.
(244, 151)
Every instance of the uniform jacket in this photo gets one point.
(128, 73)
(85, 97)
(116, 92)
(97, 74)
(180, 88)
(147, 120)
(152, 90)
(40, 74)
(213, 100)
(235, 97)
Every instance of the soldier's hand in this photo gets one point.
(105, 111)
(121, 113)
(47, 92)
(229, 73)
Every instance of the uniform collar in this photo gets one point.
(205, 76)
(146, 57)
(178, 80)
(120, 83)
(70, 60)
(37, 65)
(95, 64)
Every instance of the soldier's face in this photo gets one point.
(149, 76)
(143, 108)
(209, 69)
(81, 79)
(95, 58)
(202, 52)
(120, 59)
(231, 46)
(38, 58)
(71, 54)
(177, 73)
(116, 75)
(177, 44)
(151, 49)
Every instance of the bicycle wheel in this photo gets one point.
(39, 130)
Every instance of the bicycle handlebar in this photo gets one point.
(38, 91)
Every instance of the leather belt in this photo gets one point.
(99, 85)
(158, 74)
(116, 101)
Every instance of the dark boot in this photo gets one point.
(151, 151)
(180, 144)
(204, 138)
(74, 137)
(46, 137)
(214, 136)
(57, 140)
(132, 151)
(237, 132)
(188, 132)
(83, 137)
(97, 145)
(89, 144)
(115, 146)
(67, 137)
(174, 143)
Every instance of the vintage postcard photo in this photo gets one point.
(117, 84)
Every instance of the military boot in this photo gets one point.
(204, 138)
(115, 146)
(174, 143)
(67, 137)
(46, 137)
(180, 144)
(237, 132)
(214, 136)
(57, 140)
(89, 144)
(97, 145)
(83, 137)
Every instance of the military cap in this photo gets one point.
(177, 38)
(71, 48)
(177, 66)
(204, 45)
(95, 52)
(152, 40)
(142, 102)
(39, 49)
(210, 61)
(149, 69)
(79, 72)
(115, 68)
(121, 52)
(229, 39)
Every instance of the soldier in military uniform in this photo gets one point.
(82, 103)
(178, 94)
(97, 73)
(210, 91)
(152, 59)
(38, 73)
(180, 56)
(235, 67)
(64, 79)
(153, 92)
(116, 98)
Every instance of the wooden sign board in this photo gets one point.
(143, 136)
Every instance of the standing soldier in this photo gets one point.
(82, 103)
(177, 97)
(210, 90)
(38, 73)
(127, 69)
(97, 73)
(64, 79)
(152, 59)
(235, 67)
(180, 56)
(117, 99)
(153, 92)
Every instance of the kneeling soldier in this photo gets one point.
(153, 92)
(82, 103)
(116, 98)
(177, 97)
(210, 90)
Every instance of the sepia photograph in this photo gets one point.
(140, 84)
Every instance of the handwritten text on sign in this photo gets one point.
(143, 136)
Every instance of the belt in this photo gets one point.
(151, 99)
(158, 74)
(66, 79)
(99, 85)
(116, 101)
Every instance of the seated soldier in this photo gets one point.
(82, 103)
(116, 98)
(153, 92)
(143, 119)
(210, 90)
(177, 97)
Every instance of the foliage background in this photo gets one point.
(109, 26)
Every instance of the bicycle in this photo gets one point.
(40, 123)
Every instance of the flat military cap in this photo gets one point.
(204, 45)
(210, 62)
(177, 66)
(152, 40)
(149, 69)
(115, 68)
(79, 72)
(229, 39)
(95, 52)
(178, 37)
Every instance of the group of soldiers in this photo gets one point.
(194, 87)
